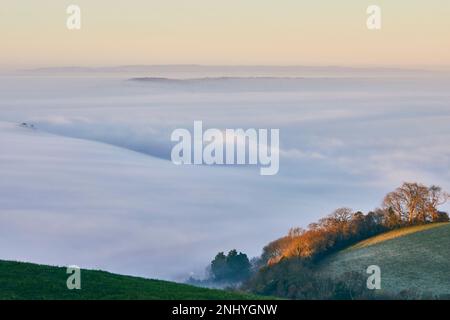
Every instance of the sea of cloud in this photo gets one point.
(93, 184)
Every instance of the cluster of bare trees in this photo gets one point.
(410, 204)
(415, 203)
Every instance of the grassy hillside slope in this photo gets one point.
(410, 258)
(31, 281)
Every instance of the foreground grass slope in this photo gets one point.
(31, 281)
(410, 258)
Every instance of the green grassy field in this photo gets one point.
(31, 281)
(409, 258)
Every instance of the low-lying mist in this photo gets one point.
(111, 198)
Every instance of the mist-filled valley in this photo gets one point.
(86, 176)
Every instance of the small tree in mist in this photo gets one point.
(234, 267)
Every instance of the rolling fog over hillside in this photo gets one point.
(93, 185)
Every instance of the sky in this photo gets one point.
(75, 191)
(233, 32)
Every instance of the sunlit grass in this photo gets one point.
(395, 234)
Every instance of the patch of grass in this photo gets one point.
(410, 258)
(31, 281)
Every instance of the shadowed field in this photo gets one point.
(31, 281)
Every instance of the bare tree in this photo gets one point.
(342, 214)
(416, 196)
(394, 202)
(436, 198)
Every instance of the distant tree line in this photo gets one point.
(286, 267)
(411, 204)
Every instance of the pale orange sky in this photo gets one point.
(322, 32)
